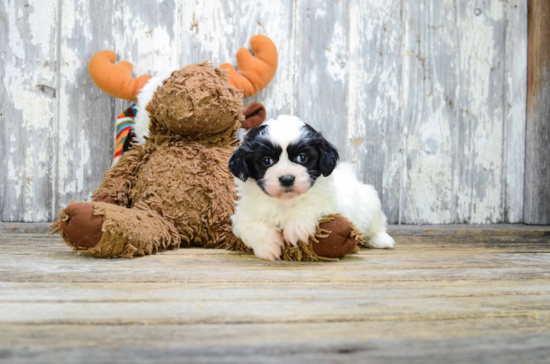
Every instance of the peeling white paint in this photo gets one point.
(374, 90)
(28, 105)
(14, 178)
(64, 137)
(84, 160)
(17, 47)
(440, 146)
(481, 199)
(29, 185)
(154, 44)
(428, 189)
(74, 23)
(68, 18)
(41, 31)
(516, 94)
(321, 11)
(336, 54)
(217, 37)
(36, 109)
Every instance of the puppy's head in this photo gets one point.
(284, 156)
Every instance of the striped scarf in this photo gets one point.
(123, 132)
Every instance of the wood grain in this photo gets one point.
(321, 72)
(515, 109)
(480, 109)
(374, 97)
(28, 74)
(508, 341)
(537, 146)
(455, 296)
(429, 118)
(86, 115)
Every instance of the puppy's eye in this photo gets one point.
(267, 161)
(301, 158)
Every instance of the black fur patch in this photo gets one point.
(321, 155)
(247, 161)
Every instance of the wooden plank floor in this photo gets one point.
(444, 295)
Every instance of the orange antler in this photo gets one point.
(115, 79)
(255, 73)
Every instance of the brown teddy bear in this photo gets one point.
(173, 187)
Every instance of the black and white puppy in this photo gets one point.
(287, 178)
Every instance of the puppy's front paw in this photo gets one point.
(269, 247)
(381, 241)
(297, 230)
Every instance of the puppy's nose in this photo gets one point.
(286, 181)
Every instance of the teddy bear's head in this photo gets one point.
(196, 101)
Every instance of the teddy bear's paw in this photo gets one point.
(269, 247)
(82, 228)
(381, 241)
(335, 238)
(297, 230)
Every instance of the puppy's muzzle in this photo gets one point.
(287, 181)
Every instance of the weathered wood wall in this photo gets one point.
(426, 97)
(537, 150)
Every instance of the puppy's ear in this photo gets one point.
(254, 114)
(328, 157)
(237, 165)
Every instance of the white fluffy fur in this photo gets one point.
(284, 129)
(259, 218)
(142, 119)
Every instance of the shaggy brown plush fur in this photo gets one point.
(196, 101)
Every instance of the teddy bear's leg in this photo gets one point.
(335, 237)
(105, 230)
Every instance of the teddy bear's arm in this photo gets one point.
(118, 180)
